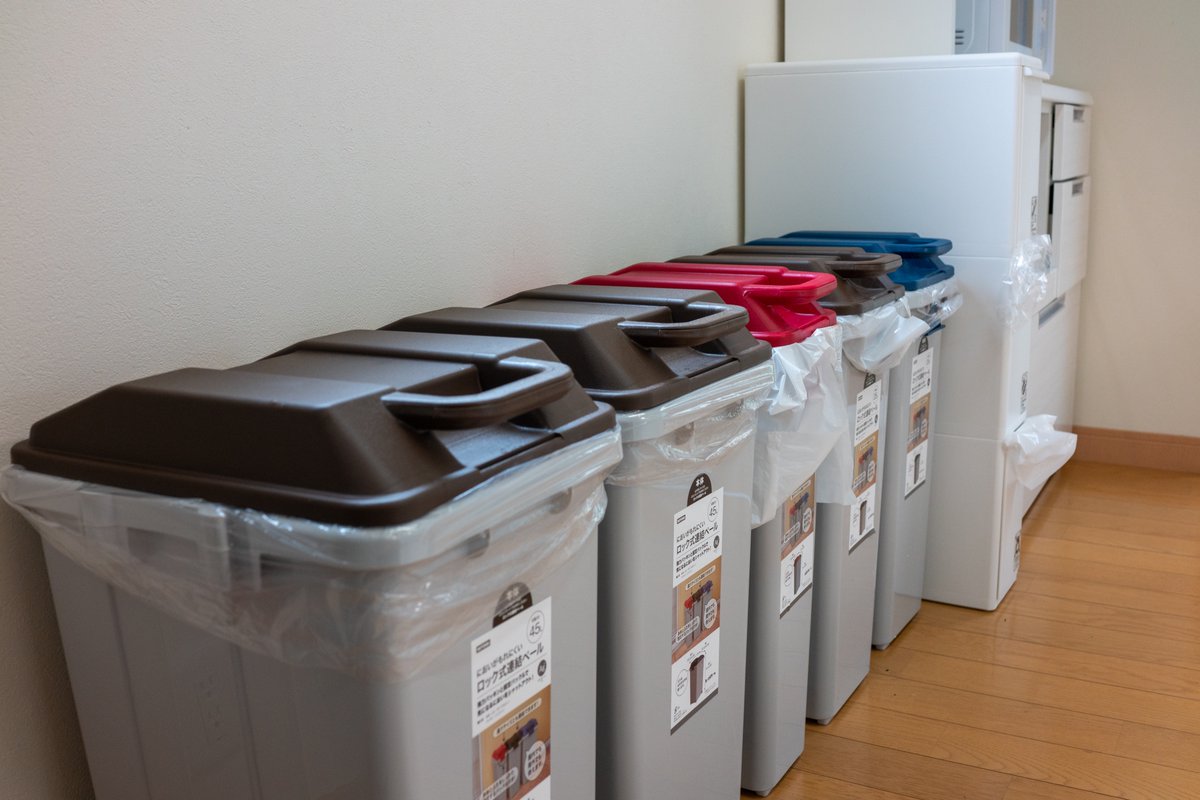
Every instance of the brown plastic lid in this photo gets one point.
(634, 348)
(360, 428)
(863, 282)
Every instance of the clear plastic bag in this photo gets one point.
(698, 428)
(1037, 450)
(802, 421)
(876, 340)
(1027, 283)
(379, 603)
(935, 303)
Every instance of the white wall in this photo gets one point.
(831, 29)
(1138, 368)
(201, 183)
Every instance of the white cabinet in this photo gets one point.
(1072, 140)
(1065, 190)
(977, 149)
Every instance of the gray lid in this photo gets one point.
(361, 428)
(631, 347)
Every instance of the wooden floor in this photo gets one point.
(1084, 684)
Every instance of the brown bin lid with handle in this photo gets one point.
(631, 347)
(360, 428)
(863, 282)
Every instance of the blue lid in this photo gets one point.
(900, 243)
(921, 272)
(922, 266)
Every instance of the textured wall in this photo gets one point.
(201, 183)
(1138, 368)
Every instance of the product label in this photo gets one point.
(920, 396)
(696, 595)
(798, 545)
(510, 706)
(866, 460)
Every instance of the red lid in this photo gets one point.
(781, 302)
(499, 753)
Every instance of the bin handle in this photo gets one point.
(849, 265)
(537, 383)
(718, 320)
(798, 287)
(862, 266)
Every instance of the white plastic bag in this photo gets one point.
(875, 341)
(1036, 450)
(935, 303)
(801, 422)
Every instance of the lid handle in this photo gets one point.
(852, 266)
(718, 320)
(800, 287)
(539, 383)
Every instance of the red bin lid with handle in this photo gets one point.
(782, 303)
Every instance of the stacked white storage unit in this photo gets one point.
(947, 146)
(1065, 188)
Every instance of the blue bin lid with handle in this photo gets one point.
(922, 266)
(902, 243)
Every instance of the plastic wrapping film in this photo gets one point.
(876, 340)
(693, 430)
(802, 420)
(1037, 450)
(935, 303)
(1027, 283)
(378, 603)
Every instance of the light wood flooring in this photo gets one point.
(1084, 684)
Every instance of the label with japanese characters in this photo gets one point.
(867, 408)
(696, 594)
(799, 515)
(920, 395)
(510, 707)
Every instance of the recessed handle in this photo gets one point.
(797, 287)
(536, 383)
(851, 266)
(718, 321)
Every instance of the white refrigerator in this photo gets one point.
(951, 147)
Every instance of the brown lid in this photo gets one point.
(634, 348)
(863, 282)
(360, 428)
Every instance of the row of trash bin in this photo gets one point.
(620, 536)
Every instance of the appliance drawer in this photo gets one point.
(1068, 232)
(1072, 141)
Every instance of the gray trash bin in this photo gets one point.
(802, 420)
(686, 379)
(352, 569)
(908, 488)
(876, 329)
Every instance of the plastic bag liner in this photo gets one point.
(875, 341)
(1037, 450)
(698, 428)
(378, 603)
(872, 342)
(802, 420)
(1027, 283)
(935, 303)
